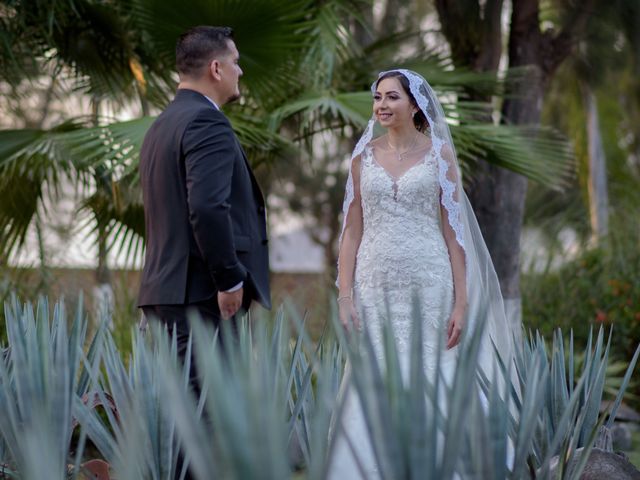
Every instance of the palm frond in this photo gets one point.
(35, 162)
(329, 43)
(267, 33)
(32, 166)
(540, 154)
(115, 146)
(346, 108)
(121, 214)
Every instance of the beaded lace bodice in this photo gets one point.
(400, 214)
(402, 252)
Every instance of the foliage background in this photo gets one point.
(72, 71)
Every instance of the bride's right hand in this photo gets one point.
(348, 314)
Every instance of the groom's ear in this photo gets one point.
(214, 69)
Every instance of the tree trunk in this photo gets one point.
(44, 283)
(399, 15)
(363, 31)
(598, 195)
(479, 44)
(103, 293)
(103, 275)
(539, 53)
(498, 195)
(102, 271)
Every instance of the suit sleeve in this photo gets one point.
(209, 150)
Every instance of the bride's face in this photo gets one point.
(391, 104)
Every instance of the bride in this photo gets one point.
(409, 234)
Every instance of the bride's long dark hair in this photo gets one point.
(419, 120)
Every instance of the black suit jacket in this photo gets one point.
(204, 211)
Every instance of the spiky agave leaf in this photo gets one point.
(508, 431)
(138, 439)
(567, 421)
(38, 388)
(244, 405)
(321, 439)
(415, 423)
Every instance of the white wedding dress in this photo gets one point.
(402, 256)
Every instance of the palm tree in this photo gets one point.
(115, 54)
(542, 35)
(304, 74)
(596, 87)
(324, 106)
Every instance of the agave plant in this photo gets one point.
(416, 424)
(42, 378)
(257, 396)
(312, 405)
(535, 418)
(262, 390)
(136, 433)
(256, 399)
(570, 412)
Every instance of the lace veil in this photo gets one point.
(485, 302)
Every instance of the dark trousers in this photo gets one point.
(177, 316)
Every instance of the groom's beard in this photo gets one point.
(233, 98)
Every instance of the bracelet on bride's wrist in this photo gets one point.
(344, 297)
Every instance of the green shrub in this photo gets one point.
(600, 288)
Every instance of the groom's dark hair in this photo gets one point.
(199, 45)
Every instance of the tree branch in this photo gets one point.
(524, 34)
(561, 45)
(46, 103)
(464, 42)
(491, 26)
(398, 15)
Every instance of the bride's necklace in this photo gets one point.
(399, 154)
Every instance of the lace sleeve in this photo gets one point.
(352, 212)
(450, 185)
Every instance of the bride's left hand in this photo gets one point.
(454, 329)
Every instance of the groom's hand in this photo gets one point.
(229, 303)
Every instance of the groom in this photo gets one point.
(204, 211)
